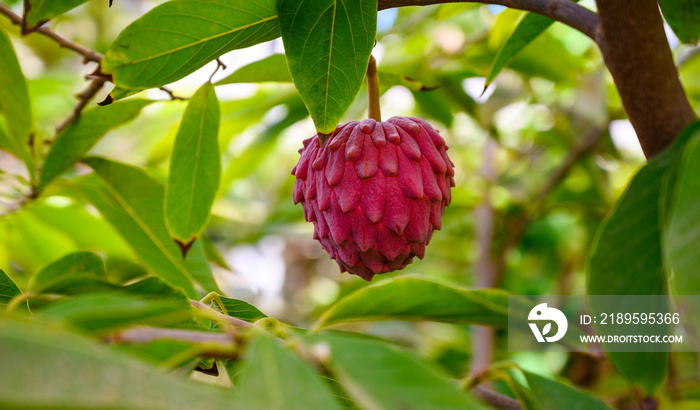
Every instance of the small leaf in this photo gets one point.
(274, 378)
(101, 313)
(269, 69)
(328, 44)
(527, 30)
(15, 104)
(684, 18)
(8, 289)
(74, 273)
(133, 203)
(553, 395)
(80, 367)
(38, 12)
(420, 299)
(394, 380)
(178, 37)
(195, 168)
(241, 309)
(77, 139)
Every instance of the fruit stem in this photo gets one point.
(373, 89)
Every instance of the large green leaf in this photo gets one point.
(328, 44)
(45, 366)
(195, 168)
(683, 234)
(8, 289)
(269, 69)
(178, 37)
(378, 376)
(552, 395)
(684, 18)
(274, 378)
(420, 299)
(626, 258)
(15, 104)
(77, 139)
(100, 313)
(133, 203)
(38, 12)
(75, 272)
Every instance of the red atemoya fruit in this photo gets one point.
(375, 192)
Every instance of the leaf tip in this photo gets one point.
(106, 101)
(184, 246)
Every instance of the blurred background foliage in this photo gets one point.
(541, 156)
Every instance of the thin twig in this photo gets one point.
(565, 11)
(495, 399)
(219, 65)
(202, 307)
(146, 334)
(88, 55)
(83, 98)
(170, 93)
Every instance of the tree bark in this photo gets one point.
(637, 53)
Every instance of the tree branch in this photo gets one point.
(564, 11)
(487, 269)
(637, 53)
(145, 334)
(83, 98)
(495, 399)
(88, 55)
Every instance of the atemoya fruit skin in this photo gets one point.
(375, 191)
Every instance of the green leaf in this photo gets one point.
(79, 369)
(8, 288)
(178, 37)
(101, 313)
(77, 139)
(240, 309)
(527, 30)
(420, 299)
(553, 395)
(274, 378)
(38, 12)
(195, 168)
(269, 69)
(73, 273)
(133, 203)
(394, 380)
(626, 258)
(328, 44)
(684, 18)
(683, 234)
(15, 103)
